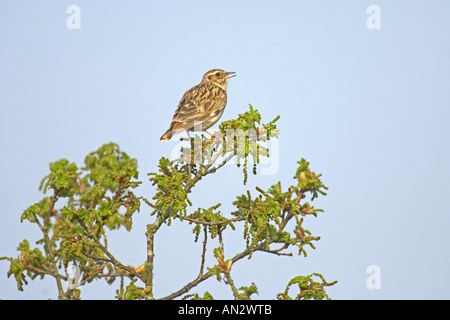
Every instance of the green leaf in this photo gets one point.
(62, 178)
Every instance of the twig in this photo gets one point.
(230, 156)
(233, 287)
(49, 245)
(189, 286)
(213, 223)
(97, 258)
(207, 275)
(203, 251)
(151, 229)
(110, 256)
(39, 271)
(278, 253)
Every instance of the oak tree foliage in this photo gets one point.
(82, 205)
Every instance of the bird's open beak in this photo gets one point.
(230, 75)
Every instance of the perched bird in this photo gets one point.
(201, 106)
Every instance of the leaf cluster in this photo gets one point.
(171, 194)
(84, 204)
(245, 135)
(308, 288)
(267, 214)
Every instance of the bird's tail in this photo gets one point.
(174, 129)
(166, 136)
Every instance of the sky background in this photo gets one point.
(368, 108)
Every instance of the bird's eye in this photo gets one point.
(217, 74)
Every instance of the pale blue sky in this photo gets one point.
(370, 109)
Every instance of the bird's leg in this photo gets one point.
(188, 138)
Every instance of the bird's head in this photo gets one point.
(218, 77)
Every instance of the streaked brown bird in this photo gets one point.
(201, 106)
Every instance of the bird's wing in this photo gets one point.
(187, 107)
(198, 102)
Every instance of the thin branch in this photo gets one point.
(213, 223)
(233, 287)
(278, 253)
(49, 245)
(217, 155)
(151, 230)
(114, 275)
(203, 251)
(114, 261)
(189, 286)
(228, 278)
(230, 156)
(97, 258)
(39, 271)
(221, 242)
(207, 275)
(86, 279)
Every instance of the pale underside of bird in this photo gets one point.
(201, 106)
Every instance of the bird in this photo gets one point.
(202, 105)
